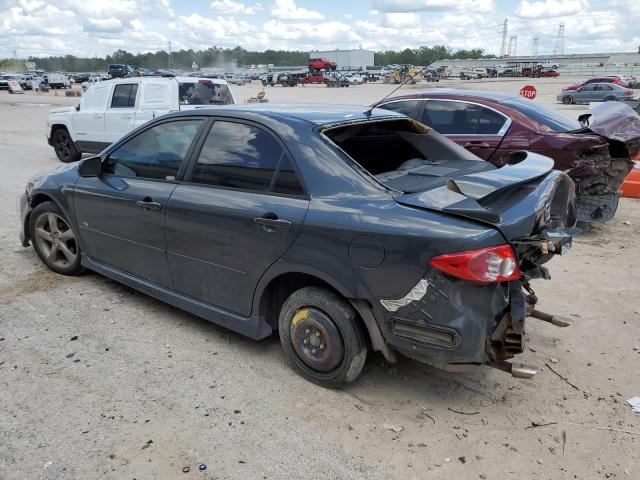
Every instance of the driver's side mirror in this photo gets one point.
(77, 107)
(90, 167)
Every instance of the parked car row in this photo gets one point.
(267, 218)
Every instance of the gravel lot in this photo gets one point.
(147, 389)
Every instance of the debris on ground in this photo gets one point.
(635, 404)
(75, 337)
(147, 445)
(186, 469)
(202, 467)
(393, 428)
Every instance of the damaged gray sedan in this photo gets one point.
(344, 230)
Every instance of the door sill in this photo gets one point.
(253, 327)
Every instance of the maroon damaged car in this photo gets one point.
(594, 150)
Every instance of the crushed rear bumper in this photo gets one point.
(457, 322)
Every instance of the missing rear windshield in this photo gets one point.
(204, 92)
(403, 154)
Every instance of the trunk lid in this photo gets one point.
(520, 199)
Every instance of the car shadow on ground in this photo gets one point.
(408, 378)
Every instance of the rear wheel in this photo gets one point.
(54, 240)
(64, 146)
(322, 338)
(567, 99)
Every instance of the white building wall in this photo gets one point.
(346, 58)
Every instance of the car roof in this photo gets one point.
(318, 114)
(179, 79)
(478, 94)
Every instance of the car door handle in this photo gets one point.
(127, 115)
(147, 205)
(271, 222)
(97, 116)
(476, 145)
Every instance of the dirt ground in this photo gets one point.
(147, 389)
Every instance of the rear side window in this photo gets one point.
(155, 153)
(461, 118)
(204, 92)
(406, 107)
(124, 95)
(241, 156)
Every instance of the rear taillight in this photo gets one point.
(487, 265)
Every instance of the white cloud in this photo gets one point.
(98, 27)
(432, 5)
(550, 8)
(287, 10)
(230, 7)
(110, 24)
(401, 19)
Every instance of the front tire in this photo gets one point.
(54, 240)
(64, 146)
(321, 337)
(610, 99)
(567, 100)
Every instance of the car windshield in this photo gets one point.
(204, 92)
(550, 118)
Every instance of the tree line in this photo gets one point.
(225, 57)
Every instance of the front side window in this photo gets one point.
(241, 156)
(155, 153)
(124, 95)
(406, 107)
(461, 118)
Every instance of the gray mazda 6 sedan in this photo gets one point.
(344, 229)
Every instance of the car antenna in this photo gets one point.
(406, 80)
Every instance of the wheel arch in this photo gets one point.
(36, 199)
(269, 300)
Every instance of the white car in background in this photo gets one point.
(109, 109)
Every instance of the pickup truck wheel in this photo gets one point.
(64, 146)
(54, 240)
(321, 337)
(567, 100)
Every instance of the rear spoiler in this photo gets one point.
(463, 195)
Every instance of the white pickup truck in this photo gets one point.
(111, 108)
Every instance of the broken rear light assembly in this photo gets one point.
(486, 265)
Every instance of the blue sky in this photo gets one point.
(98, 27)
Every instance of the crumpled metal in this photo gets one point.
(416, 293)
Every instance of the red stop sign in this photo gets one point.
(529, 91)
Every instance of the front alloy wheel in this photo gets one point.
(54, 240)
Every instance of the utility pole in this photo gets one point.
(534, 46)
(559, 49)
(504, 31)
(169, 54)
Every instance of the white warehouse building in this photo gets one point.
(357, 58)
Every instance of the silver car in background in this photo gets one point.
(595, 92)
